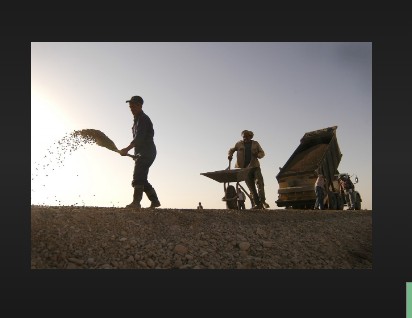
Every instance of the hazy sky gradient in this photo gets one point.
(200, 96)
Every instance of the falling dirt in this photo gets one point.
(63, 148)
(78, 139)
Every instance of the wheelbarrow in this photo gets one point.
(227, 176)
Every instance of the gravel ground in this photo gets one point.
(120, 238)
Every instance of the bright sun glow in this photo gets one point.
(65, 173)
(48, 125)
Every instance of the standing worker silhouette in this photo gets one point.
(248, 153)
(145, 149)
(320, 192)
(240, 199)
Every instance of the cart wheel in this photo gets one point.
(231, 198)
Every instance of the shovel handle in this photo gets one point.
(135, 157)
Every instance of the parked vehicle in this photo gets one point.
(318, 152)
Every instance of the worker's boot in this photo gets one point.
(262, 197)
(263, 202)
(137, 197)
(257, 203)
(151, 194)
(258, 206)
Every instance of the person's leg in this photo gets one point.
(137, 197)
(347, 199)
(140, 182)
(260, 184)
(317, 189)
(352, 199)
(321, 197)
(250, 182)
(152, 195)
(261, 187)
(138, 187)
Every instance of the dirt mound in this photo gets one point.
(120, 238)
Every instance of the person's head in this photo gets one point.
(247, 135)
(135, 104)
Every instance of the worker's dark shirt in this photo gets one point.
(143, 132)
(248, 153)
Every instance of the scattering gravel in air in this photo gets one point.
(63, 148)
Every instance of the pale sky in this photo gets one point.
(199, 96)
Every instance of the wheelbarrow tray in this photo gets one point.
(228, 175)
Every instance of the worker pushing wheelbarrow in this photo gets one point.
(247, 169)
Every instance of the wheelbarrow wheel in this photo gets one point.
(231, 198)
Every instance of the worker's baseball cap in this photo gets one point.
(135, 99)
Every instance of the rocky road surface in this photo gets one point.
(121, 238)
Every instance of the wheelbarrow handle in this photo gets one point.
(230, 161)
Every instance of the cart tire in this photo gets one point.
(231, 193)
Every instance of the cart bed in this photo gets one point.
(228, 175)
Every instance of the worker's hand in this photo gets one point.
(124, 151)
